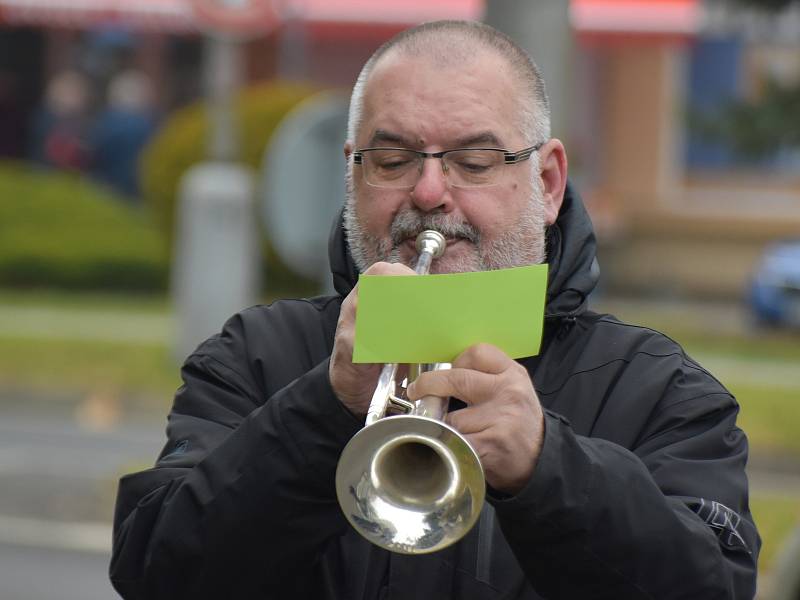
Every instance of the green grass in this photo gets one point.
(140, 369)
(763, 345)
(76, 344)
(59, 299)
(775, 517)
(770, 416)
(707, 332)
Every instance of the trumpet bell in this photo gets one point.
(410, 484)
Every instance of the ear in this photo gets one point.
(348, 149)
(553, 165)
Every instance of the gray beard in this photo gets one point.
(523, 244)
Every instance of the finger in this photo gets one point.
(485, 358)
(466, 384)
(385, 268)
(485, 447)
(472, 419)
(347, 312)
(478, 441)
(349, 306)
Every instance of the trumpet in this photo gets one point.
(408, 482)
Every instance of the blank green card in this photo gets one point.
(433, 318)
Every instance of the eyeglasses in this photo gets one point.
(463, 167)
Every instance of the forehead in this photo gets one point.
(431, 102)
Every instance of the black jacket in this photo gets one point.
(640, 490)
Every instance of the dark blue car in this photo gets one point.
(775, 287)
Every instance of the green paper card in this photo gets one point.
(433, 318)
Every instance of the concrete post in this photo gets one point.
(217, 258)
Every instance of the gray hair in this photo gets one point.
(452, 41)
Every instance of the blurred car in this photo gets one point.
(774, 295)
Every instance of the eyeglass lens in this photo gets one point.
(463, 168)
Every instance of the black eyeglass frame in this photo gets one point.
(509, 158)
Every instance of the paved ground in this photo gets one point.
(58, 481)
(52, 467)
(42, 573)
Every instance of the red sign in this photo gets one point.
(636, 17)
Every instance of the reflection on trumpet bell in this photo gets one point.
(410, 484)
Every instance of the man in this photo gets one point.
(613, 463)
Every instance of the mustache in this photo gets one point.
(410, 223)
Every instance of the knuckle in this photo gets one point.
(466, 358)
(484, 348)
(464, 383)
(421, 386)
(375, 268)
(385, 268)
(518, 393)
(518, 370)
(455, 420)
(344, 335)
(350, 301)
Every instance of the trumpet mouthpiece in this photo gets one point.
(431, 241)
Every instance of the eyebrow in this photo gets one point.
(383, 136)
(486, 138)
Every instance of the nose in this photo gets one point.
(431, 192)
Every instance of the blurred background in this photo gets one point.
(164, 163)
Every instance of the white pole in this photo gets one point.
(215, 270)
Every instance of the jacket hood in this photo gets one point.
(571, 253)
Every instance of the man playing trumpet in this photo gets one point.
(613, 464)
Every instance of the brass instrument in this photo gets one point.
(409, 482)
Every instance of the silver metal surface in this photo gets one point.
(433, 407)
(430, 244)
(410, 483)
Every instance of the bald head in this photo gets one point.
(453, 45)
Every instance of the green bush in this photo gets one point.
(58, 230)
(181, 143)
(182, 140)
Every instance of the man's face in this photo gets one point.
(415, 103)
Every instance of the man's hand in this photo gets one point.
(354, 384)
(503, 421)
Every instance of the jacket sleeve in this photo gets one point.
(241, 502)
(667, 518)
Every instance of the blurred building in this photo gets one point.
(679, 215)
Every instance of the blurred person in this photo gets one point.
(12, 118)
(121, 131)
(60, 128)
(613, 462)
